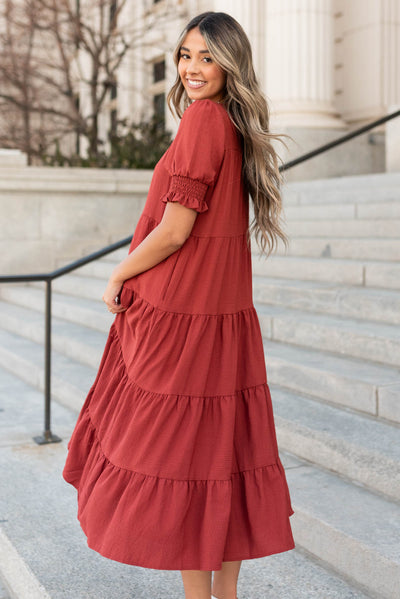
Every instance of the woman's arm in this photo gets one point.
(165, 239)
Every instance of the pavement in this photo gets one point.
(43, 552)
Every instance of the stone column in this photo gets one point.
(390, 61)
(250, 15)
(299, 63)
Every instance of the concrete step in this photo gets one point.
(327, 192)
(344, 336)
(69, 339)
(378, 305)
(116, 256)
(70, 381)
(367, 273)
(353, 530)
(344, 228)
(336, 247)
(341, 381)
(379, 210)
(364, 189)
(76, 286)
(346, 211)
(87, 312)
(383, 275)
(36, 482)
(355, 446)
(100, 269)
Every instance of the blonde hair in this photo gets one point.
(247, 107)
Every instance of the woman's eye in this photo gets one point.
(207, 59)
(185, 56)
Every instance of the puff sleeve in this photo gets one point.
(194, 159)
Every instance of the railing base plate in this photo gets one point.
(45, 439)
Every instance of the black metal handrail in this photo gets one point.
(48, 436)
(338, 141)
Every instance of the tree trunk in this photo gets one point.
(27, 134)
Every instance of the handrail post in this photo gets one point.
(47, 436)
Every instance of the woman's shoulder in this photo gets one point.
(209, 117)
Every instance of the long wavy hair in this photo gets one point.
(247, 107)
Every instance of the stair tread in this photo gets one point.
(344, 228)
(346, 211)
(69, 377)
(367, 303)
(325, 260)
(346, 507)
(353, 272)
(85, 311)
(29, 295)
(373, 292)
(361, 248)
(346, 324)
(75, 341)
(80, 286)
(344, 366)
(355, 445)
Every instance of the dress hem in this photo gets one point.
(192, 566)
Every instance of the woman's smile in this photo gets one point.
(195, 83)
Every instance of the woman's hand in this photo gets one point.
(111, 296)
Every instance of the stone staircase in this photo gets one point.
(329, 311)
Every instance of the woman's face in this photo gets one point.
(200, 76)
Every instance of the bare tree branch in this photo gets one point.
(58, 66)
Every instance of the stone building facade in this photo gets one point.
(325, 65)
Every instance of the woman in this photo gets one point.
(174, 454)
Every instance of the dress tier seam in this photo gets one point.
(186, 395)
(164, 311)
(236, 236)
(166, 478)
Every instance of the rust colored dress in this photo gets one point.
(174, 454)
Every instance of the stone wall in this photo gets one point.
(51, 216)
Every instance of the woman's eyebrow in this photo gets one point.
(200, 51)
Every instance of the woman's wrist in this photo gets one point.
(116, 277)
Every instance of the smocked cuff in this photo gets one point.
(188, 192)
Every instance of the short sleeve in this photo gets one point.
(195, 157)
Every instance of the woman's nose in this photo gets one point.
(192, 66)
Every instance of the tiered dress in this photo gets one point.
(174, 454)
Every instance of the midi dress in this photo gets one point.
(174, 454)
